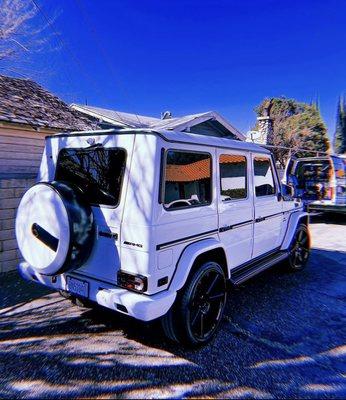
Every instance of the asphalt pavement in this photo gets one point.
(283, 336)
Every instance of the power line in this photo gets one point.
(89, 24)
(302, 149)
(15, 71)
(56, 35)
(64, 45)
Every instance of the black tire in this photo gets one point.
(299, 249)
(198, 309)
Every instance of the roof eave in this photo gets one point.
(98, 116)
(228, 126)
(210, 115)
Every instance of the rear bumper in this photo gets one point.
(139, 306)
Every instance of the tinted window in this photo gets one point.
(187, 179)
(98, 172)
(263, 177)
(233, 177)
(339, 167)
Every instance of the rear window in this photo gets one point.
(98, 172)
(314, 170)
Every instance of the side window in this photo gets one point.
(263, 177)
(233, 177)
(187, 179)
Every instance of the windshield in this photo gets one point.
(97, 171)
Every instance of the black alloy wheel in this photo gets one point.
(198, 310)
(300, 249)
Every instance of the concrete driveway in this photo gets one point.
(284, 335)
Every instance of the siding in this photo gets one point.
(11, 191)
(20, 151)
(20, 156)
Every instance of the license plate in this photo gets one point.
(78, 287)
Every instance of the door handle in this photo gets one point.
(260, 219)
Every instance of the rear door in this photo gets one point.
(339, 180)
(267, 205)
(101, 171)
(235, 204)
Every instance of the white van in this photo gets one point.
(319, 181)
(157, 224)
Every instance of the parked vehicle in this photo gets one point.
(319, 181)
(157, 224)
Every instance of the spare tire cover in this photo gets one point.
(54, 227)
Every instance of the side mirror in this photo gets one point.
(287, 190)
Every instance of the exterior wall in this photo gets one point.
(21, 150)
(11, 191)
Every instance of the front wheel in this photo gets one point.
(299, 250)
(196, 314)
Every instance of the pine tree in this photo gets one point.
(340, 128)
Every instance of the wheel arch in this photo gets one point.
(193, 255)
(294, 220)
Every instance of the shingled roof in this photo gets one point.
(23, 101)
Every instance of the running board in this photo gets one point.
(247, 271)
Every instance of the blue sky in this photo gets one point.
(192, 56)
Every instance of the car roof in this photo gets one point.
(175, 137)
(212, 141)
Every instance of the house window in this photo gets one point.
(263, 177)
(98, 172)
(187, 179)
(233, 177)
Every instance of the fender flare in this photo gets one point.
(294, 220)
(188, 257)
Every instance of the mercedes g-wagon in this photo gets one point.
(157, 224)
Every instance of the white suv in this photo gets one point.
(157, 224)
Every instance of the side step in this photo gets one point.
(247, 271)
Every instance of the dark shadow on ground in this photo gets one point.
(283, 335)
(328, 218)
(13, 290)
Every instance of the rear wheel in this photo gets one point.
(299, 250)
(196, 314)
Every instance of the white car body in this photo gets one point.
(141, 237)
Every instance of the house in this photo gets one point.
(27, 114)
(209, 123)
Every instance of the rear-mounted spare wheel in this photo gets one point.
(54, 227)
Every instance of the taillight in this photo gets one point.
(330, 192)
(138, 283)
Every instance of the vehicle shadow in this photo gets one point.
(282, 336)
(12, 292)
(328, 218)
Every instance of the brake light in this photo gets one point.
(330, 192)
(138, 283)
